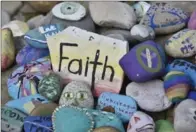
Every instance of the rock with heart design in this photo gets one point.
(150, 95)
(141, 122)
(106, 129)
(185, 116)
(164, 126)
(165, 19)
(123, 106)
(182, 44)
(192, 95)
(192, 21)
(37, 37)
(148, 63)
(12, 119)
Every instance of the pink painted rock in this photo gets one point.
(192, 21)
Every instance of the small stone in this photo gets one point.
(8, 49)
(192, 21)
(164, 126)
(142, 32)
(6, 18)
(185, 116)
(117, 36)
(142, 122)
(123, 18)
(35, 22)
(11, 7)
(77, 94)
(182, 44)
(106, 129)
(192, 95)
(150, 95)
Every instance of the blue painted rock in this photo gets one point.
(38, 124)
(27, 104)
(12, 119)
(182, 44)
(25, 79)
(148, 63)
(184, 66)
(122, 106)
(37, 37)
(28, 54)
(192, 95)
(192, 21)
(165, 19)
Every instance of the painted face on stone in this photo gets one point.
(192, 114)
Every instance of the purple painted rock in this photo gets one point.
(192, 21)
(144, 62)
(29, 53)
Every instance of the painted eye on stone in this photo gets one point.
(68, 95)
(82, 95)
(69, 8)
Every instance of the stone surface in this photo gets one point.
(106, 76)
(6, 18)
(164, 126)
(124, 17)
(35, 22)
(29, 53)
(148, 63)
(142, 32)
(150, 95)
(123, 106)
(182, 44)
(106, 129)
(192, 21)
(25, 79)
(72, 11)
(78, 94)
(165, 19)
(192, 95)
(185, 116)
(142, 122)
(11, 7)
(116, 36)
(8, 49)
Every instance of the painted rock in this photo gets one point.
(141, 122)
(182, 44)
(140, 9)
(142, 32)
(164, 126)
(29, 53)
(184, 66)
(192, 21)
(72, 11)
(177, 85)
(25, 79)
(98, 66)
(150, 95)
(37, 37)
(123, 106)
(8, 49)
(50, 87)
(106, 129)
(185, 116)
(148, 63)
(6, 18)
(77, 94)
(44, 109)
(192, 95)
(165, 19)
(124, 18)
(11, 119)
(38, 124)
(18, 28)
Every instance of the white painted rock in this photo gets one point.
(142, 32)
(185, 116)
(182, 44)
(150, 95)
(113, 14)
(5, 18)
(69, 11)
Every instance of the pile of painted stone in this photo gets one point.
(159, 90)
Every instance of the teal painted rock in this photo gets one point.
(164, 126)
(50, 87)
(11, 119)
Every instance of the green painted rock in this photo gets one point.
(164, 126)
(12, 119)
(50, 87)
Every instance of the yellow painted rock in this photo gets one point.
(106, 129)
(8, 49)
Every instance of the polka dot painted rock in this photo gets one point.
(77, 94)
(150, 95)
(29, 53)
(123, 106)
(141, 122)
(25, 79)
(37, 37)
(192, 21)
(106, 129)
(148, 63)
(165, 19)
(72, 11)
(182, 44)
(164, 126)
(8, 49)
